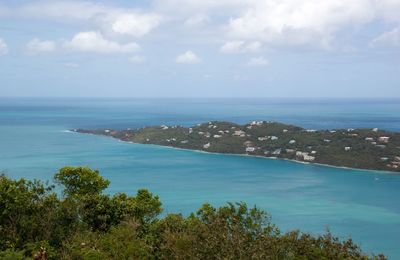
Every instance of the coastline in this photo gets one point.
(248, 155)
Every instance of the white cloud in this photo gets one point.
(36, 46)
(241, 47)
(300, 22)
(136, 25)
(232, 47)
(95, 42)
(188, 57)
(314, 23)
(257, 23)
(3, 47)
(253, 47)
(137, 59)
(388, 39)
(109, 19)
(258, 61)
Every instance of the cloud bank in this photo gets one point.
(234, 26)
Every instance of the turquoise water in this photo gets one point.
(360, 204)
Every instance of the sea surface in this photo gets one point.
(363, 205)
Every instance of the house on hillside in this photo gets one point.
(239, 133)
(384, 139)
(250, 149)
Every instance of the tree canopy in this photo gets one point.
(86, 223)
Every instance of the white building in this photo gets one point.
(206, 146)
(308, 158)
(239, 133)
(250, 149)
(384, 139)
(301, 154)
(257, 123)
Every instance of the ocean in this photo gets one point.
(363, 205)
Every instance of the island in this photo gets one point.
(371, 149)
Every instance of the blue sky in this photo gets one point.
(200, 48)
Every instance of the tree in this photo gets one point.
(81, 181)
(86, 224)
(26, 209)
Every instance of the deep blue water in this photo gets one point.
(361, 204)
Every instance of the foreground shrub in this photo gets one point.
(85, 223)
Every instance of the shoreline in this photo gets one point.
(247, 155)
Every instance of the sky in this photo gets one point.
(200, 48)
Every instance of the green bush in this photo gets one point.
(35, 223)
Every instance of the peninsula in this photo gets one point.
(371, 149)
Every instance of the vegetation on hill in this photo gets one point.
(86, 223)
(372, 149)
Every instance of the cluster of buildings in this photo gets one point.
(265, 138)
(239, 133)
(291, 151)
(395, 164)
(305, 156)
(379, 142)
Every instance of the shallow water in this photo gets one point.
(360, 204)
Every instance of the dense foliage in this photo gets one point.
(85, 223)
